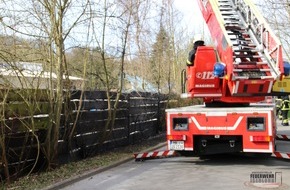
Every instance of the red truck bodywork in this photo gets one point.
(204, 130)
(231, 120)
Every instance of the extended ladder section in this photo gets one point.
(245, 43)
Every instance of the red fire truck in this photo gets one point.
(231, 76)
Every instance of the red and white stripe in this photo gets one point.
(283, 155)
(283, 137)
(156, 154)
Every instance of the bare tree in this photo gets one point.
(45, 19)
(278, 14)
(113, 37)
(56, 10)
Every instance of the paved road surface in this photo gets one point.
(181, 173)
(219, 172)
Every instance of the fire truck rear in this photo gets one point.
(199, 130)
(231, 76)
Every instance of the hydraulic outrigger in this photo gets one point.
(171, 153)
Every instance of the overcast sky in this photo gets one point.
(190, 11)
(192, 16)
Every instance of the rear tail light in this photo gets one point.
(176, 137)
(260, 138)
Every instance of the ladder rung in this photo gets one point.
(225, 9)
(267, 77)
(226, 3)
(236, 29)
(252, 74)
(252, 66)
(232, 23)
(262, 63)
(237, 70)
(241, 38)
(225, 6)
(244, 40)
(247, 56)
(265, 70)
(231, 17)
(232, 20)
(250, 63)
(241, 77)
(256, 70)
(244, 46)
(229, 13)
(242, 32)
(233, 27)
(247, 50)
(252, 77)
